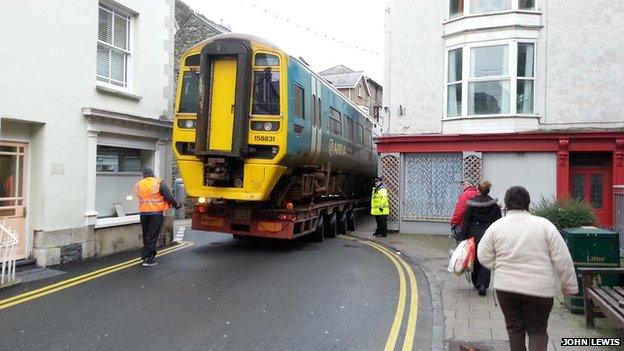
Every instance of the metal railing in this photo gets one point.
(618, 214)
(8, 245)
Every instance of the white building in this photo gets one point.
(86, 98)
(519, 92)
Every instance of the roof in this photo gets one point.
(184, 12)
(343, 80)
(336, 70)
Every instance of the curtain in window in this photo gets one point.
(526, 67)
(485, 6)
(431, 184)
(489, 61)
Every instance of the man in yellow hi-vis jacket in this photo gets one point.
(380, 208)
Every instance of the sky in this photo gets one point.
(324, 33)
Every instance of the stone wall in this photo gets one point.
(63, 246)
(52, 248)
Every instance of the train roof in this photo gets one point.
(265, 42)
(248, 37)
(318, 76)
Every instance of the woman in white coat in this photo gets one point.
(525, 252)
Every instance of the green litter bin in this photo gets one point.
(592, 247)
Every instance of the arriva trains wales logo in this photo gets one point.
(336, 149)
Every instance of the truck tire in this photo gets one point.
(351, 220)
(319, 233)
(342, 222)
(330, 226)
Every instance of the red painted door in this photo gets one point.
(594, 185)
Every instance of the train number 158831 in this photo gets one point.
(264, 138)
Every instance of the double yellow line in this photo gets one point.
(403, 269)
(68, 283)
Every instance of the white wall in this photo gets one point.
(584, 72)
(579, 55)
(537, 172)
(414, 72)
(48, 53)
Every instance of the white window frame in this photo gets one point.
(106, 81)
(512, 77)
(515, 6)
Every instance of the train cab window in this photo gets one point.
(266, 92)
(299, 102)
(266, 60)
(192, 61)
(357, 135)
(190, 91)
(335, 124)
(349, 135)
(368, 139)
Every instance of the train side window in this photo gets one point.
(266, 93)
(299, 102)
(349, 135)
(266, 60)
(335, 124)
(368, 139)
(358, 134)
(317, 115)
(190, 92)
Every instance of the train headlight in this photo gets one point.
(201, 200)
(265, 126)
(186, 123)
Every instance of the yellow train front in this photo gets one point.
(256, 129)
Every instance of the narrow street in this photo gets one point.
(216, 293)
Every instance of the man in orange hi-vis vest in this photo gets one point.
(154, 198)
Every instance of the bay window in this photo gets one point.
(454, 85)
(524, 95)
(488, 83)
(487, 78)
(476, 7)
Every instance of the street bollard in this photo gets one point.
(179, 193)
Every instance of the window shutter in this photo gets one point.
(118, 66)
(105, 25)
(103, 59)
(121, 32)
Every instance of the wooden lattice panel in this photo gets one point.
(390, 173)
(473, 166)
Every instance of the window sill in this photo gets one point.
(116, 221)
(487, 14)
(474, 117)
(104, 89)
(500, 21)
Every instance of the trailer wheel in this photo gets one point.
(319, 233)
(342, 222)
(351, 220)
(330, 226)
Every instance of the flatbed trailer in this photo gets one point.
(323, 219)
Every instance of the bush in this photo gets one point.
(566, 213)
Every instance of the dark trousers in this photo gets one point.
(480, 275)
(524, 315)
(151, 224)
(382, 225)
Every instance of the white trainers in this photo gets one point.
(149, 263)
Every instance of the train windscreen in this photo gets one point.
(266, 96)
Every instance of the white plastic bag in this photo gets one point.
(458, 254)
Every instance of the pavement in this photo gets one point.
(471, 320)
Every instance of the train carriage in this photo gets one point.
(254, 125)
